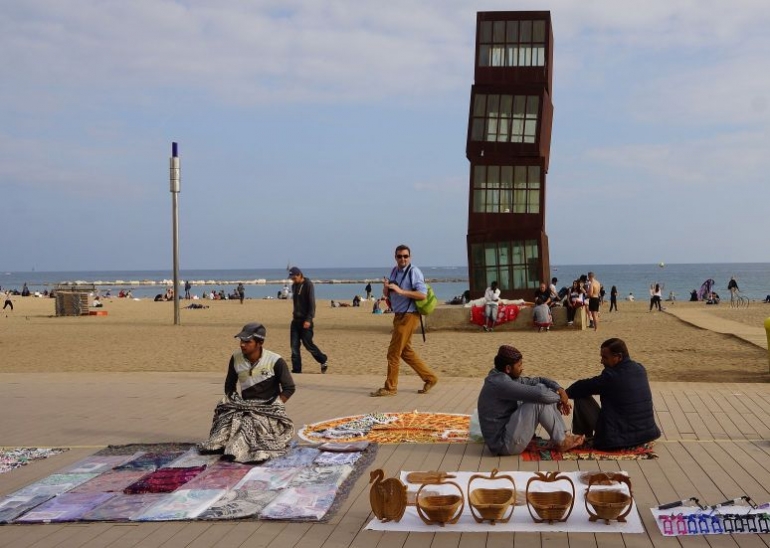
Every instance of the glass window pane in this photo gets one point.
(520, 177)
(538, 57)
(498, 56)
(503, 280)
(519, 278)
(533, 205)
(483, 56)
(506, 176)
(479, 176)
(518, 105)
(533, 176)
(506, 201)
(479, 105)
(499, 32)
(512, 35)
(491, 130)
(512, 60)
(538, 32)
(506, 105)
(525, 56)
(503, 131)
(478, 201)
(490, 255)
(493, 105)
(503, 253)
(517, 253)
(477, 132)
(530, 131)
(493, 177)
(485, 32)
(477, 254)
(479, 283)
(525, 31)
(519, 201)
(533, 102)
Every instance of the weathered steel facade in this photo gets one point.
(508, 147)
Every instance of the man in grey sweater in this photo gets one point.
(511, 407)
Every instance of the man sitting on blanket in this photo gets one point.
(511, 407)
(625, 417)
(253, 426)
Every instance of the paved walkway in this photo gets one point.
(705, 320)
(715, 446)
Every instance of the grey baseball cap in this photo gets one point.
(254, 330)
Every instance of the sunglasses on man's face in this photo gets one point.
(402, 256)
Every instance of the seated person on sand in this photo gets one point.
(511, 407)
(625, 417)
(541, 315)
(253, 426)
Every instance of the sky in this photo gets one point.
(326, 133)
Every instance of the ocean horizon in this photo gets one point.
(342, 283)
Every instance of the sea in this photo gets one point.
(447, 281)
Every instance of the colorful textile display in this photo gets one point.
(538, 449)
(163, 480)
(14, 457)
(98, 464)
(303, 490)
(410, 427)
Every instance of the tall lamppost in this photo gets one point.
(175, 186)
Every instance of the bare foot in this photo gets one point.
(570, 442)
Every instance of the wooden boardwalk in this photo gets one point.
(714, 446)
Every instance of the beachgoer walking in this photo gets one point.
(253, 425)
(614, 298)
(368, 290)
(241, 291)
(187, 287)
(303, 295)
(511, 407)
(8, 301)
(404, 285)
(625, 417)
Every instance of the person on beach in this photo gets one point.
(405, 285)
(575, 301)
(491, 302)
(594, 300)
(303, 296)
(541, 316)
(368, 290)
(625, 417)
(511, 407)
(241, 292)
(614, 298)
(187, 288)
(656, 295)
(253, 426)
(732, 287)
(8, 302)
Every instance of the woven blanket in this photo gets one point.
(413, 427)
(14, 457)
(538, 449)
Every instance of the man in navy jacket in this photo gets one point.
(625, 417)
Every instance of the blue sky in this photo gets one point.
(326, 133)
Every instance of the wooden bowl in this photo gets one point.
(550, 506)
(440, 509)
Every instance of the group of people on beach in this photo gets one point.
(252, 425)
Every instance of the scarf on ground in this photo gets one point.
(249, 430)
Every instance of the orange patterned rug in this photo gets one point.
(411, 427)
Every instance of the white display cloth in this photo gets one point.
(521, 521)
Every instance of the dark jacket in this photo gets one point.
(303, 294)
(626, 418)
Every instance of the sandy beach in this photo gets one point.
(139, 335)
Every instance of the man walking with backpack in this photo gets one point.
(403, 287)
